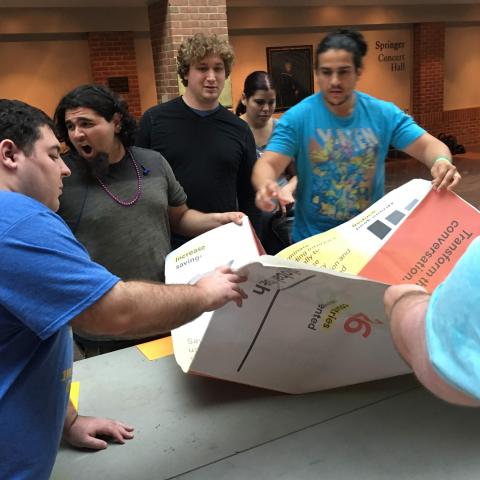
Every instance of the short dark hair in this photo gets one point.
(344, 39)
(21, 123)
(257, 80)
(105, 102)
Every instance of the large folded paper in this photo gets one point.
(314, 317)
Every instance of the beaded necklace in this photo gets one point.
(135, 198)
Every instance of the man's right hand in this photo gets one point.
(265, 172)
(268, 196)
(272, 197)
(220, 287)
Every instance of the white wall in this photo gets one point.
(146, 72)
(462, 67)
(377, 78)
(40, 72)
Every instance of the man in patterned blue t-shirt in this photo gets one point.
(339, 139)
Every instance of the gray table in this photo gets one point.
(190, 427)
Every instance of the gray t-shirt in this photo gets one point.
(131, 242)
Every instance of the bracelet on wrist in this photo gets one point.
(449, 160)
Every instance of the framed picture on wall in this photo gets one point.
(292, 72)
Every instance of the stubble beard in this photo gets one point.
(347, 101)
(340, 102)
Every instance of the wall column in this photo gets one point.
(171, 21)
(428, 88)
(112, 54)
(428, 74)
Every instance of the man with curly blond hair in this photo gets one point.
(196, 48)
(211, 151)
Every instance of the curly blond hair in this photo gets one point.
(196, 48)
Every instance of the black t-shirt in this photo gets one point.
(212, 156)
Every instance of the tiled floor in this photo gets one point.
(400, 171)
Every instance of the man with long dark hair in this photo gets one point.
(121, 201)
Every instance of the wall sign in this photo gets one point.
(118, 84)
(391, 53)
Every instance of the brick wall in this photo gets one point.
(428, 88)
(112, 54)
(463, 123)
(170, 23)
(428, 67)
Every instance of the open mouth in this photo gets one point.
(87, 149)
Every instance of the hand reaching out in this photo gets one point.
(220, 287)
(445, 175)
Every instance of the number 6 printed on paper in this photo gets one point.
(359, 322)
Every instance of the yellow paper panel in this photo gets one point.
(74, 394)
(157, 348)
(328, 250)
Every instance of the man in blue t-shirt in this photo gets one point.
(47, 283)
(439, 335)
(339, 139)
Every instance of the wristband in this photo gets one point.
(441, 158)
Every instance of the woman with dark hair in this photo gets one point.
(256, 107)
(339, 138)
(120, 201)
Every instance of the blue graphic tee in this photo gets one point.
(339, 160)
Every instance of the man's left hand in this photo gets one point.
(445, 175)
(84, 430)
(227, 217)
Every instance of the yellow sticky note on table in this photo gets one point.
(161, 347)
(74, 394)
